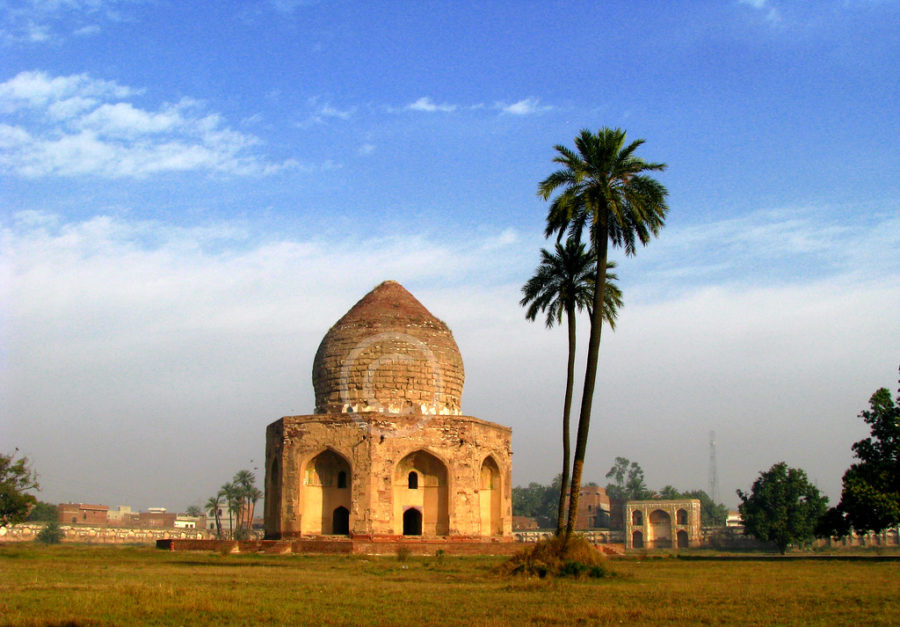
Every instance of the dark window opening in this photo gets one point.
(413, 480)
(412, 522)
(342, 479)
(340, 521)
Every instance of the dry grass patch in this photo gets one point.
(123, 586)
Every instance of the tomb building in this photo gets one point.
(388, 452)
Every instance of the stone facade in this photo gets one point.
(388, 453)
(662, 524)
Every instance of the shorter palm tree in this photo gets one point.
(214, 507)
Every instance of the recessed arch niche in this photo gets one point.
(490, 492)
(430, 496)
(326, 489)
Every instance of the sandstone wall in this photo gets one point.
(374, 445)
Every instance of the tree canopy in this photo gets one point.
(629, 484)
(16, 479)
(783, 507)
(870, 497)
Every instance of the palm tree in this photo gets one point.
(245, 481)
(230, 492)
(214, 507)
(563, 283)
(603, 190)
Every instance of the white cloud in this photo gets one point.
(527, 106)
(427, 105)
(50, 22)
(366, 149)
(78, 125)
(151, 333)
(772, 14)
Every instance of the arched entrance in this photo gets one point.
(489, 493)
(683, 542)
(637, 540)
(326, 489)
(340, 521)
(420, 482)
(412, 522)
(682, 517)
(660, 536)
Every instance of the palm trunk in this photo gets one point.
(590, 375)
(567, 410)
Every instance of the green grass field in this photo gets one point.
(138, 585)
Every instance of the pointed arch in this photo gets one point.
(490, 493)
(430, 496)
(326, 486)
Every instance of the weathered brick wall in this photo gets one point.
(28, 532)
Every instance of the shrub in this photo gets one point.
(553, 556)
(50, 534)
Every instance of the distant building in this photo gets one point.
(734, 519)
(157, 518)
(82, 514)
(524, 523)
(183, 521)
(662, 524)
(593, 508)
(122, 516)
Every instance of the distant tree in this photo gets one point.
(669, 492)
(43, 512)
(248, 494)
(231, 494)
(783, 507)
(628, 480)
(194, 510)
(870, 497)
(214, 508)
(604, 189)
(712, 514)
(16, 479)
(538, 501)
(50, 534)
(562, 285)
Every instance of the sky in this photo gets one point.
(192, 193)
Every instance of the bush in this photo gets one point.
(50, 534)
(555, 557)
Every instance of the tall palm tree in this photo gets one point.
(564, 283)
(602, 189)
(214, 507)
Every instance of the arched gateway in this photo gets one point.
(387, 451)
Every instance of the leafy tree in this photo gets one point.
(50, 534)
(783, 507)
(538, 501)
(214, 508)
(629, 481)
(16, 479)
(43, 512)
(870, 497)
(194, 510)
(712, 514)
(248, 494)
(563, 284)
(603, 190)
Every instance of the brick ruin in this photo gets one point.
(388, 453)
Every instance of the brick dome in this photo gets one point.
(388, 354)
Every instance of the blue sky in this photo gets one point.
(192, 193)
